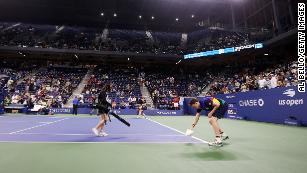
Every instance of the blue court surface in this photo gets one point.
(65, 144)
(29, 128)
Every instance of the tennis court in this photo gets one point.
(65, 144)
(78, 129)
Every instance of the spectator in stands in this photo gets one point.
(176, 103)
(54, 104)
(273, 81)
(7, 101)
(54, 85)
(133, 102)
(30, 104)
(45, 110)
(243, 88)
(130, 102)
(21, 100)
(122, 105)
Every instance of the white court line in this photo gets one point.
(53, 117)
(87, 134)
(177, 130)
(29, 128)
(102, 142)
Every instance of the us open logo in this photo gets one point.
(289, 92)
(290, 102)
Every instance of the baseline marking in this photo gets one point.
(90, 134)
(105, 142)
(171, 128)
(29, 128)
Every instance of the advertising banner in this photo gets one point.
(278, 105)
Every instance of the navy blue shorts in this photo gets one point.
(221, 111)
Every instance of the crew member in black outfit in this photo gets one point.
(103, 110)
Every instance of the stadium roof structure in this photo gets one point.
(174, 15)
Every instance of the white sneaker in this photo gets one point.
(95, 131)
(102, 133)
(217, 142)
(224, 136)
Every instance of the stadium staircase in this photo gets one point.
(11, 27)
(149, 35)
(145, 93)
(104, 37)
(80, 88)
(207, 88)
(184, 40)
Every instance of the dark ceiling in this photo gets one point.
(87, 13)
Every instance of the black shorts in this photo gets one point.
(142, 107)
(103, 109)
(221, 111)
